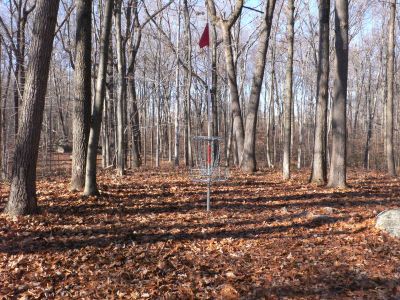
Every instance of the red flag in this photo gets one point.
(205, 38)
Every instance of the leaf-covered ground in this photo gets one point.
(148, 236)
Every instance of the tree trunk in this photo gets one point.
(370, 117)
(300, 144)
(61, 118)
(238, 129)
(188, 86)
(134, 44)
(337, 173)
(177, 91)
(22, 199)
(83, 93)
(121, 91)
(3, 127)
(226, 25)
(390, 91)
(289, 94)
(269, 121)
(91, 163)
(2, 121)
(319, 169)
(249, 155)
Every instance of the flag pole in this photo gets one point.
(209, 83)
(205, 42)
(209, 115)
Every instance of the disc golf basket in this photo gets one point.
(208, 167)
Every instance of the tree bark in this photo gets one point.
(370, 118)
(3, 127)
(337, 173)
(238, 128)
(319, 168)
(249, 156)
(2, 121)
(133, 47)
(91, 162)
(83, 92)
(390, 91)
(121, 90)
(188, 85)
(226, 25)
(177, 92)
(289, 95)
(22, 199)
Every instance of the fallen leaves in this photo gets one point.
(148, 236)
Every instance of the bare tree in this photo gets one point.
(177, 90)
(319, 169)
(226, 26)
(289, 94)
(97, 110)
(337, 173)
(1, 111)
(83, 92)
(249, 155)
(19, 49)
(22, 199)
(188, 83)
(390, 90)
(134, 42)
(121, 89)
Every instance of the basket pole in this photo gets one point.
(210, 143)
(208, 193)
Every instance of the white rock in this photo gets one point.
(329, 210)
(389, 221)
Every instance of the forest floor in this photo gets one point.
(148, 236)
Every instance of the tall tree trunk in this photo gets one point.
(133, 46)
(289, 94)
(83, 93)
(272, 109)
(390, 90)
(2, 121)
(121, 90)
(19, 64)
(158, 97)
(3, 127)
(249, 155)
(61, 117)
(300, 144)
(337, 173)
(91, 162)
(22, 199)
(370, 117)
(238, 128)
(226, 26)
(319, 169)
(23, 12)
(188, 55)
(105, 149)
(269, 121)
(177, 91)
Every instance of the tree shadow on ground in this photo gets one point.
(334, 285)
(167, 203)
(67, 239)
